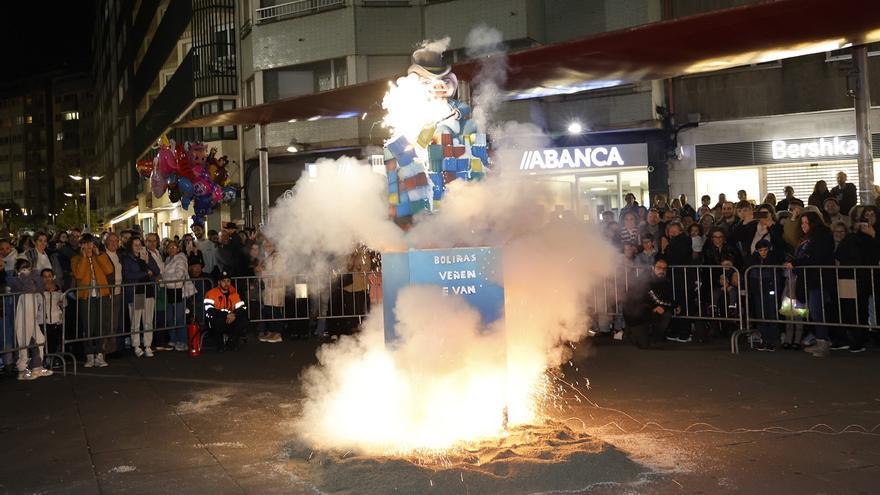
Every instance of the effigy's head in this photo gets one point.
(429, 64)
(434, 72)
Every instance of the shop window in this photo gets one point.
(597, 194)
(728, 181)
(304, 79)
(557, 194)
(803, 177)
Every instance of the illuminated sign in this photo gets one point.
(581, 157)
(822, 147)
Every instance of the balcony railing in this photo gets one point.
(296, 8)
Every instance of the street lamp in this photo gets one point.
(88, 196)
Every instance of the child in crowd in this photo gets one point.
(28, 310)
(52, 316)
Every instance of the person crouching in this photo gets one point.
(226, 312)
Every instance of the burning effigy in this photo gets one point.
(482, 291)
(432, 144)
(430, 148)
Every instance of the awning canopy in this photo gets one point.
(702, 43)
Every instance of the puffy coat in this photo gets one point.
(82, 273)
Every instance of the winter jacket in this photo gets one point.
(135, 271)
(218, 303)
(31, 283)
(646, 293)
(783, 205)
(679, 251)
(818, 249)
(792, 233)
(774, 234)
(82, 273)
(273, 281)
(714, 256)
(846, 196)
(176, 268)
(818, 200)
(31, 255)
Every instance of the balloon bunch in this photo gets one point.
(190, 175)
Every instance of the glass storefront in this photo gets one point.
(760, 180)
(588, 194)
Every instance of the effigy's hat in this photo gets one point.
(428, 63)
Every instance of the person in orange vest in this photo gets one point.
(226, 312)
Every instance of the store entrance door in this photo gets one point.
(598, 193)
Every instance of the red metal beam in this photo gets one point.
(700, 43)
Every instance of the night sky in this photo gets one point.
(41, 36)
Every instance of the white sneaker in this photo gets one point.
(26, 375)
(139, 352)
(90, 361)
(148, 352)
(100, 362)
(40, 371)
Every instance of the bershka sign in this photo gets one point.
(820, 148)
(581, 157)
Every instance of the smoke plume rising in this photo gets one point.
(448, 379)
(438, 46)
(485, 44)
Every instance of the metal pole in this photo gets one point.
(263, 153)
(88, 204)
(241, 199)
(863, 126)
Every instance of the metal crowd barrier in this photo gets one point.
(301, 297)
(841, 297)
(99, 322)
(698, 290)
(95, 316)
(28, 328)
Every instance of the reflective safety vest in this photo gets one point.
(218, 301)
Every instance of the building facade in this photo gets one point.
(750, 117)
(156, 62)
(159, 61)
(295, 48)
(46, 134)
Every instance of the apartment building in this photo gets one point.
(156, 62)
(45, 135)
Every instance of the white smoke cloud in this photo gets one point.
(325, 217)
(438, 46)
(446, 379)
(486, 45)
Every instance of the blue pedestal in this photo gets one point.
(472, 273)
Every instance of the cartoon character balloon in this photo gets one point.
(158, 183)
(167, 162)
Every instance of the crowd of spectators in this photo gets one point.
(786, 236)
(109, 292)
